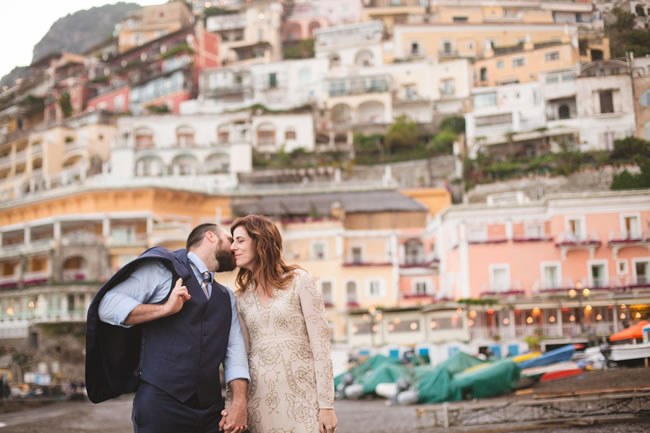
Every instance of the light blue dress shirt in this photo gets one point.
(149, 284)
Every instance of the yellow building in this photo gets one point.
(523, 63)
(391, 12)
(34, 159)
(152, 22)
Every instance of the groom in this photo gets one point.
(162, 326)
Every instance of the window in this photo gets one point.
(318, 250)
(621, 267)
(447, 47)
(553, 55)
(290, 134)
(185, 136)
(477, 233)
(575, 229)
(415, 48)
(598, 274)
(460, 19)
(642, 272)
(223, 136)
(351, 292)
(413, 252)
(421, 287)
(551, 276)
(564, 112)
(499, 278)
(485, 100)
(483, 74)
(606, 98)
(644, 100)
(447, 87)
(273, 80)
(357, 255)
(631, 227)
(518, 62)
(534, 230)
(143, 138)
(500, 64)
(375, 288)
(266, 135)
(328, 293)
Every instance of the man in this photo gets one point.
(163, 326)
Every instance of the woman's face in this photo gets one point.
(243, 248)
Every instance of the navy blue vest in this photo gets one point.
(179, 354)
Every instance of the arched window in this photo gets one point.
(313, 26)
(143, 138)
(364, 58)
(185, 136)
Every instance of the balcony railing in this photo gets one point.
(631, 236)
(80, 238)
(367, 261)
(75, 275)
(36, 277)
(135, 240)
(9, 281)
(511, 288)
(577, 239)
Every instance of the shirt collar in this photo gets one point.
(200, 266)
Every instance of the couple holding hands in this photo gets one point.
(162, 326)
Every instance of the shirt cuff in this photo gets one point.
(236, 372)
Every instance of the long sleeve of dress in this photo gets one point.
(318, 332)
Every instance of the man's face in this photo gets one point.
(222, 252)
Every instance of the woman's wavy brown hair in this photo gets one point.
(270, 270)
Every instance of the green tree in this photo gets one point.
(443, 142)
(624, 38)
(402, 135)
(626, 180)
(66, 104)
(455, 124)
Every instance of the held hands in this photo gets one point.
(234, 419)
(177, 298)
(327, 421)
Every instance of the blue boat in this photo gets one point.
(561, 354)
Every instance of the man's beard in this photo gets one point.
(225, 260)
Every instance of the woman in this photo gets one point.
(283, 320)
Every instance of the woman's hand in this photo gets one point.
(327, 420)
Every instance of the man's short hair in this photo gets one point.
(196, 235)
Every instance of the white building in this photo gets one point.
(280, 131)
(605, 104)
(250, 35)
(351, 44)
(500, 112)
(183, 149)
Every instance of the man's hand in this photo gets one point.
(233, 420)
(177, 298)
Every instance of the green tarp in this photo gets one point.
(434, 383)
(495, 379)
(359, 370)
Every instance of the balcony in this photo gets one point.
(5, 161)
(220, 23)
(513, 288)
(137, 240)
(75, 275)
(531, 237)
(12, 250)
(632, 238)
(392, 4)
(349, 261)
(447, 54)
(80, 238)
(487, 239)
(20, 156)
(36, 278)
(9, 281)
(575, 241)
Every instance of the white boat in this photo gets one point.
(624, 352)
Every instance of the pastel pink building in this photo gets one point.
(562, 266)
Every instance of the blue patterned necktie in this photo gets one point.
(206, 283)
